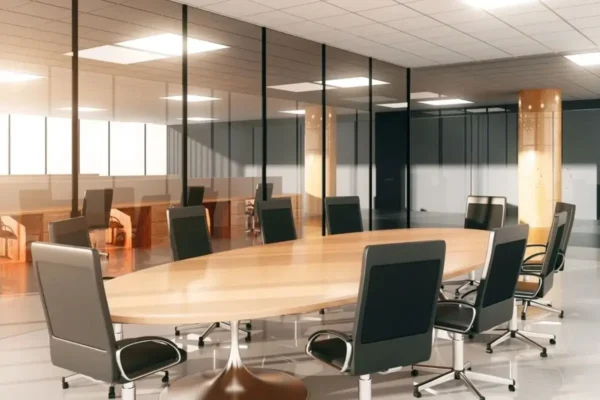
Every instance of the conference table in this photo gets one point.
(265, 281)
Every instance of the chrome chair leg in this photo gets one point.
(364, 387)
(128, 391)
(549, 308)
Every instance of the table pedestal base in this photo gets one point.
(236, 382)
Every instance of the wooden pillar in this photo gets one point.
(540, 158)
(313, 158)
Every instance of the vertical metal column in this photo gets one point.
(184, 82)
(323, 135)
(370, 143)
(408, 183)
(264, 112)
(75, 108)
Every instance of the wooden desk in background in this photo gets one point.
(144, 223)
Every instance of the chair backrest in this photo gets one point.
(485, 212)
(276, 220)
(570, 210)
(97, 204)
(82, 339)
(343, 215)
(406, 279)
(557, 231)
(258, 195)
(195, 196)
(188, 232)
(71, 232)
(495, 294)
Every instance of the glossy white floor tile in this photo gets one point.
(570, 372)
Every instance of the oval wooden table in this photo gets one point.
(265, 281)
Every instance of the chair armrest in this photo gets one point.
(465, 304)
(540, 280)
(342, 336)
(532, 257)
(145, 339)
(470, 292)
(538, 245)
(105, 255)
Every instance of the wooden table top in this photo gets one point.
(271, 280)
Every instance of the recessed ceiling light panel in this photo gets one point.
(170, 44)
(14, 77)
(394, 105)
(83, 109)
(586, 59)
(199, 119)
(359, 81)
(296, 112)
(446, 102)
(192, 98)
(299, 87)
(118, 55)
(424, 95)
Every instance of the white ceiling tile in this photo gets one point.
(303, 27)
(279, 4)
(392, 38)
(568, 3)
(361, 5)
(389, 13)
(373, 30)
(538, 17)
(466, 15)
(409, 24)
(481, 25)
(513, 42)
(316, 10)
(558, 26)
(433, 32)
(506, 32)
(589, 22)
(344, 21)
(526, 49)
(199, 3)
(560, 36)
(588, 10)
(416, 47)
(436, 6)
(571, 45)
(591, 32)
(273, 19)
(237, 8)
(456, 40)
(330, 36)
(527, 7)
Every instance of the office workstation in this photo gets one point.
(299, 199)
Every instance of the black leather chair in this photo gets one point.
(277, 220)
(189, 238)
(534, 264)
(343, 215)
(195, 196)
(72, 232)
(483, 213)
(382, 341)
(252, 216)
(97, 204)
(530, 290)
(82, 338)
(493, 306)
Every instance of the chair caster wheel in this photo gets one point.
(248, 339)
(442, 287)
(111, 393)
(249, 326)
(561, 315)
(512, 388)
(489, 349)
(165, 379)
(471, 336)
(218, 325)
(414, 372)
(200, 342)
(457, 294)
(322, 311)
(65, 384)
(552, 341)
(417, 394)
(544, 354)
(523, 317)
(177, 333)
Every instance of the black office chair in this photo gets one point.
(382, 341)
(529, 290)
(532, 263)
(483, 213)
(493, 306)
(195, 196)
(277, 220)
(78, 320)
(343, 215)
(72, 232)
(189, 238)
(251, 209)
(97, 204)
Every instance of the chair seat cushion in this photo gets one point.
(145, 356)
(330, 351)
(454, 317)
(526, 289)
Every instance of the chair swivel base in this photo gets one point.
(541, 304)
(211, 328)
(111, 389)
(465, 375)
(524, 336)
